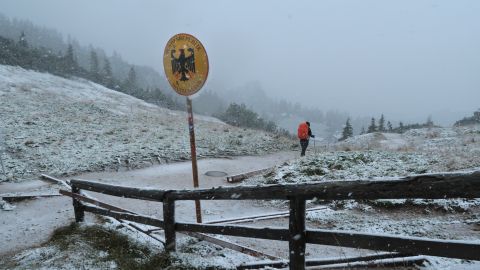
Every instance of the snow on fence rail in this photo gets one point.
(432, 186)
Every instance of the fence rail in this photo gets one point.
(433, 186)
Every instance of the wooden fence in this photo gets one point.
(434, 186)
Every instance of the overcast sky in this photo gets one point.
(406, 59)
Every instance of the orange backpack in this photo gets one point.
(303, 131)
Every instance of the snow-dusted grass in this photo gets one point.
(111, 246)
(399, 221)
(89, 246)
(62, 127)
(454, 148)
(391, 156)
(348, 166)
(196, 254)
(387, 156)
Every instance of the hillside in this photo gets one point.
(378, 155)
(452, 148)
(389, 156)
(62, 127)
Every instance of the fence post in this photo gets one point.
(297, 241)
(169, 221)
(78, 206)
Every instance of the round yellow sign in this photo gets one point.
(186, 64)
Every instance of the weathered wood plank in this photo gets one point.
(93, 201)
(230, 245)
(17, 198)
(54, 180)
(296, 242)
(120, 191)
(316, 262)
(264, 265)
(169, 220)
(137, 228)
(412, 245)
(396, 263)
(242, 231)
(242, 176)
(433, 186)
(78, 207)
(125, 216)
(409, 245)
(259, 217)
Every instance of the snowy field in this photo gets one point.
(390, 156)
(65, 127)
(62, 127)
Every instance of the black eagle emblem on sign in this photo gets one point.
(183, 66)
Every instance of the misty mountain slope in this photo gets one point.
(60, 126)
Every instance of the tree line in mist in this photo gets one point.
(19, 53)
(26, 45)
(32, 47)
(384, 127)
(387, 127)
(99, 70)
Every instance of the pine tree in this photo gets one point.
(347, 131)
(130, 84)
(94, 69)
(132, 76)
(372, 127)
(25, 56)
(70, 63)
(22, 41)
(389, 126)
(381, 124)
(107, 74)
(401, 127)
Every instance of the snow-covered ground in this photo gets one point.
(440, 219)
(59, 126)
(390, 156)
(21, 229)
(453, 148)
(62, 127)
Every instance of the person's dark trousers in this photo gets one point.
(304, 145)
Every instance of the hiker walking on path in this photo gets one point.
(304, 134)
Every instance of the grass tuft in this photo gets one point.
(118, 247)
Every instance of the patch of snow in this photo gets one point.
(6, 206)
(365, 165)
(202, 255)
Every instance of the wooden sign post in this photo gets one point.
(186, 66)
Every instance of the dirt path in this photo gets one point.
(32, 222)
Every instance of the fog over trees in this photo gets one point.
(246, 106)
(399, 63)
